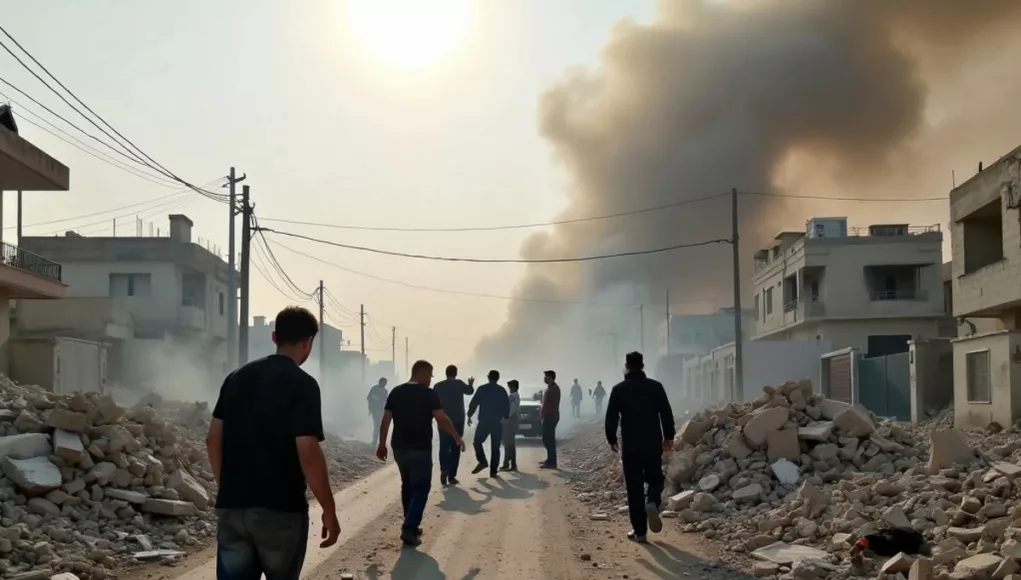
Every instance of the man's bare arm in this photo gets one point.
(214, 447)
(313, 465)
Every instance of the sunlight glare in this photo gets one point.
(407, 33)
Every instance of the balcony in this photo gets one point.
(27, 275)
(191, 318)
(901, 294)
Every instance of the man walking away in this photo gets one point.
(510, 429)
(576, 396)
(646, 420)
(599, 395)
(494, 406)
(549, 412)
(451, 393)
(377, 400)
(412, 407)
(263, 446)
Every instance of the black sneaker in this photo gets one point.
(478, 468)
(636, 538)
(453, 480)
(655, 522)
(419, 532)
(505, 468)
(410, 539)
(443, 478)
(547, 466)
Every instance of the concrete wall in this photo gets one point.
(987, 290)
(932, 376)
(1005, 379)
(99, 317)
(854, 333)
(92, 280)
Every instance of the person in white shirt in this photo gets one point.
(510, 429)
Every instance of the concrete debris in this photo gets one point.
(799, 478)
(87, 485)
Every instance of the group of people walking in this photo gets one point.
(264, 447)
(577, 395)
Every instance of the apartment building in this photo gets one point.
(23, 274)
(872, 289)
(985, 214)
(156, 299)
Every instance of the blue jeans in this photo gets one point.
(416, 467)
(491, 430)
(450, 453)
(255, 541)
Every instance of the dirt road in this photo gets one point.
(521, 526)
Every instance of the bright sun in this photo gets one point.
(407, 33)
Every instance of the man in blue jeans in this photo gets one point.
(412, 407)
(494, 407)
(451, 393)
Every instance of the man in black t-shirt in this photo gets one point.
(263, 447)
(412, 407)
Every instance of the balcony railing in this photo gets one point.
(15, 257)
(903, 294)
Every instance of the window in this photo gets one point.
(221, 303)
(983, 236)
(130, 285)
(769, 301)
(976, 368)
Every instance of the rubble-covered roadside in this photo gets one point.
(87, 485)
(794, 479)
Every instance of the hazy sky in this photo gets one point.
(326, 132)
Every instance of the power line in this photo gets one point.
(503, 227)
(497, 260)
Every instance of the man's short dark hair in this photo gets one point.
(382, 380)
(493, 375)
(295, 324)
(551, 374)
(634, 361)
(512, 384)
(421, 365)
(451, 371)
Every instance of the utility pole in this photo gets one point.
(641, 327)
(738, 388)
(232, 290)
(667, 321)
(246, 258)
(393, 349)
(362, 313)
(322, 337)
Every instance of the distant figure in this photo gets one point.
(377, 400)
(599, 395)
(494, 406)
(549, 412)
(510, 429)
(412, 407)
(576, 396)
(639, 404)
(263, 446)
(451, 393)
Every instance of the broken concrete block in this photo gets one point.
(830, 408)
(25, 446)
(896, 517)
(691, 432)
(102, 473)
(786, 472)
(899, 564)
(736, 446)
(1010, 470)
(709, 482)
(749, 493)
(921, 569)
(786, 554)
(191, 490)
(853, 422)
(966, 535)
(782, 444)
(819, 431)
(947, 447)
(681, 501)
(42, 507)
(126, 495)
(34, 476)
(763, 422)
(67, 420)
(68, 445)
(980, 565)
(168, 507)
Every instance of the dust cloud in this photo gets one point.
(832, 98)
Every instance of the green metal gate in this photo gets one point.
(884, 385)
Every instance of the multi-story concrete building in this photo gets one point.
(872, 289)
(160, 301)
(23, 274)
(985, 214)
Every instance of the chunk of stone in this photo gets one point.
(782, 444)
(921, 569)
(786, 472)
(42, 507)
(946, 448)
(68, 445)
(736, 446)
(966, 535)
(681, 501)
(34, 476)
(1006, 568)
(704, 502)
(820, 431)
(169, 507)
(980, 565)
(748, 493)
(25, 446)
(1010, 470)
(709, 482)
(896, 517)
(192, 491)
(67, 420)
(103, 472)
(830, 408)
(853, 422)
(814, 496)
(126, 495)
(899, 564)
(691, 432)
(786, 554)
(763, 422)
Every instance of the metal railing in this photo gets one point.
(902, 294)
(874, 231)
(15, 257)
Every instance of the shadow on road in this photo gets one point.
(456, 499)
(415, 565)
(498, 488)
(525, 481)
(671, 562)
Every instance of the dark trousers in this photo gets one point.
(491, 430)
(450, 453)
(549, 439)
(377, 418)
(416, 467)
(642, 468)
(599, 406)
(255, 541)
(510, 442)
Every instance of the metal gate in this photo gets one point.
(884, 385)
(837, 369)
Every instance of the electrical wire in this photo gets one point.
(498, 260)
(272, 259)
(262, 267)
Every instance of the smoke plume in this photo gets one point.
(834, 97)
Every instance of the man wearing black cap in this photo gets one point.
(640, 406)
(494, 407)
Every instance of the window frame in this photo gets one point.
(969, 374)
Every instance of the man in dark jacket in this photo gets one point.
(377, 400)
(640, 406)
(494, 407)
(550, 414)
(599, 395)
(451, 393)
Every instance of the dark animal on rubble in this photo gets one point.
(890, 541)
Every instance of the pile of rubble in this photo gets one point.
(86, 485)
(794, 480)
